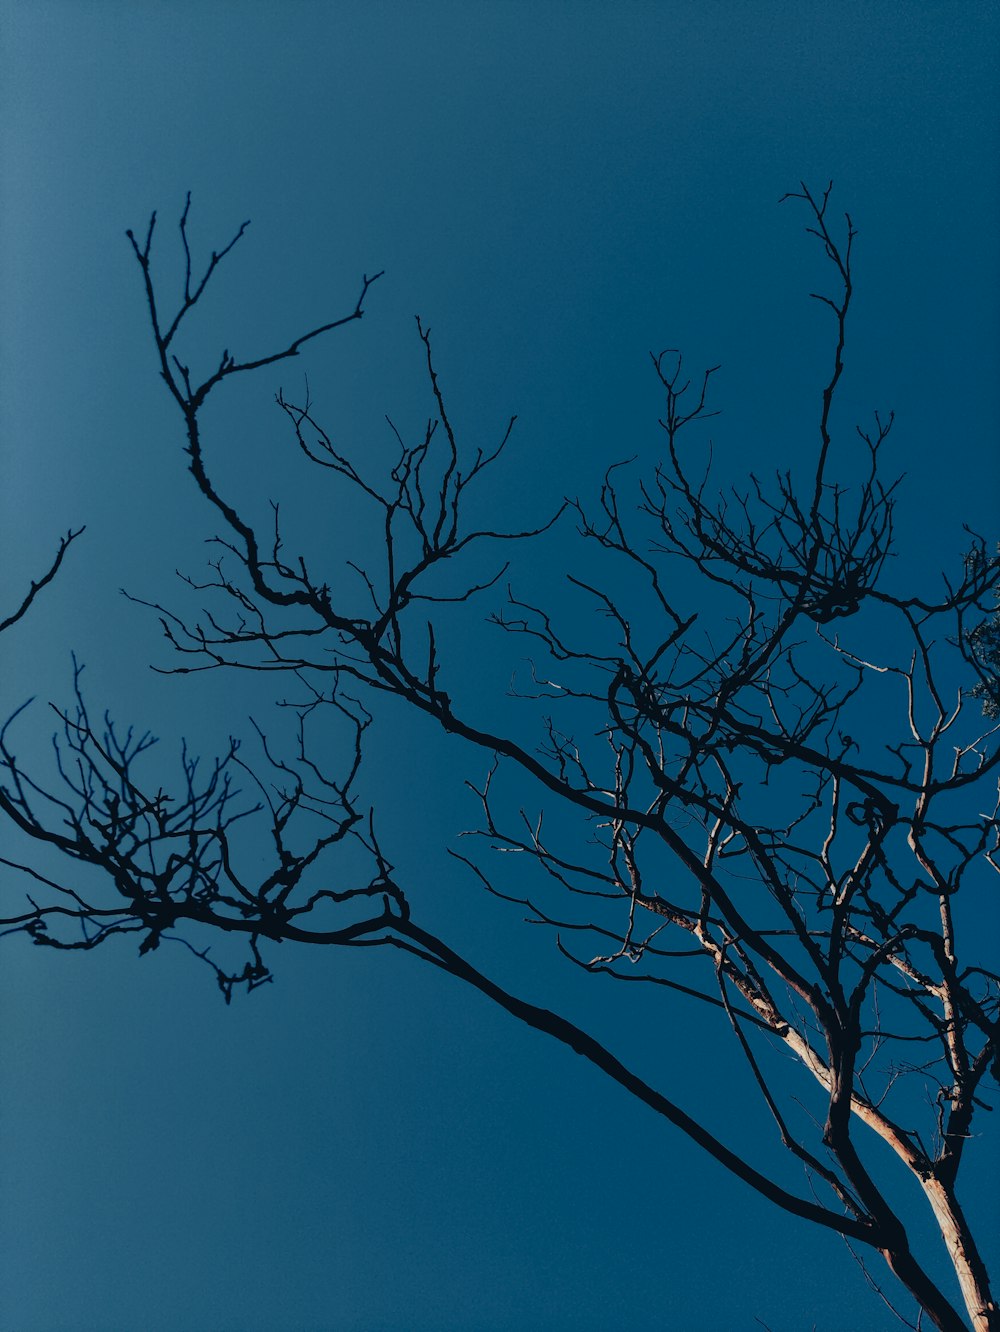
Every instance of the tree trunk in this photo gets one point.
(969, 1267)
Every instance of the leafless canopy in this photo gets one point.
(771, 774)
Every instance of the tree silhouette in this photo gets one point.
(768, 780)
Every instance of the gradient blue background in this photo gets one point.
(557, 188)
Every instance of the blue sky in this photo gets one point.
(557, 189)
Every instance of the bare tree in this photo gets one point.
(773, 813)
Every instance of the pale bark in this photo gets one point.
(969, 1267)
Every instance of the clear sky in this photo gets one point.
(558, 188)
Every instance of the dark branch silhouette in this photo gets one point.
(46, 578)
